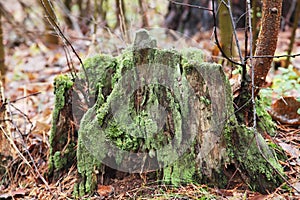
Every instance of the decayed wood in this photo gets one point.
(201, 132)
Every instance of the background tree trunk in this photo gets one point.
(143, 12)
(189, 20)
(68, 5)
(6, 153)
(295, 26)
(2, 53)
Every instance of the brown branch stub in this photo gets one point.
(267, 41)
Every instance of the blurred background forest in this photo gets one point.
(41, 39)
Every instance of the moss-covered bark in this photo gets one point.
(169, 112)
(62, 141)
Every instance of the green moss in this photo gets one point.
(62, 84)
(76, 190)
(265, 122)
(192, 55)
(100, 69)
(227, 132)
(114, 117)
(253, 159)
(182, 170)
(59, 161)
(242, 146)
(87, 163)
(82, 190)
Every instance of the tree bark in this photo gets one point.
(2, 53)
(143, 12)
(6, 153)
(267, 41)
(63, 134)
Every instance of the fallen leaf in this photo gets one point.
(105, 190)
(40, 127)
(297, 187)
(259, 197)
(295, 153)
(285, 109)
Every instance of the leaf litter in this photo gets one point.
(32, 68)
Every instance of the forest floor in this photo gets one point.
(31, 72)
(32, 67)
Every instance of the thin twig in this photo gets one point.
(34, 168)
(24, 97)
(281, 56)
(69, 62)
(190, 5)
(251, 65)
(66, 41)
(234, 32)
(26, 117)
(216, 37)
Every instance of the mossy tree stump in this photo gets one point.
(164, 113)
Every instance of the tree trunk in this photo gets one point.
(2, 53)
(293, 35)
(267, 41)
(120, 14)
(190, 20)
(6, 153)
(143, 12)
(164, 114)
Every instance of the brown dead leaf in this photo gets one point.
(235, 82)
(105, 190)
(297, 187)
(294, 152)
(40, 127)
(285, 109)
(259, 197)
(215, 51)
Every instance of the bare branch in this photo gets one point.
(190, 5)
(234, 33)
(67, 42)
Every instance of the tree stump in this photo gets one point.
(165, 113)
